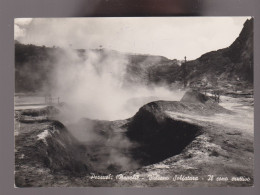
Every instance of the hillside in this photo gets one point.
(228, 69)
(35, 65)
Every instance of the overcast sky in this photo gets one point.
(172, 37)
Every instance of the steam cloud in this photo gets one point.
(94, 86)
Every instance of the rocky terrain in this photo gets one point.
(163, 140)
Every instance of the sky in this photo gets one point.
(172, 37)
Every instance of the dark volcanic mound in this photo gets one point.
(160, 136)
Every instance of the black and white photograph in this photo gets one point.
(134, 102)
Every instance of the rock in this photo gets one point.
(194, 96)
(157, 135)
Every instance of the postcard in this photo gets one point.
(134, 102)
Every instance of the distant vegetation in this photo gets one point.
(33, 65)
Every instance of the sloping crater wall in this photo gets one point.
(158, 136)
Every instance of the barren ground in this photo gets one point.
(222, 153)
